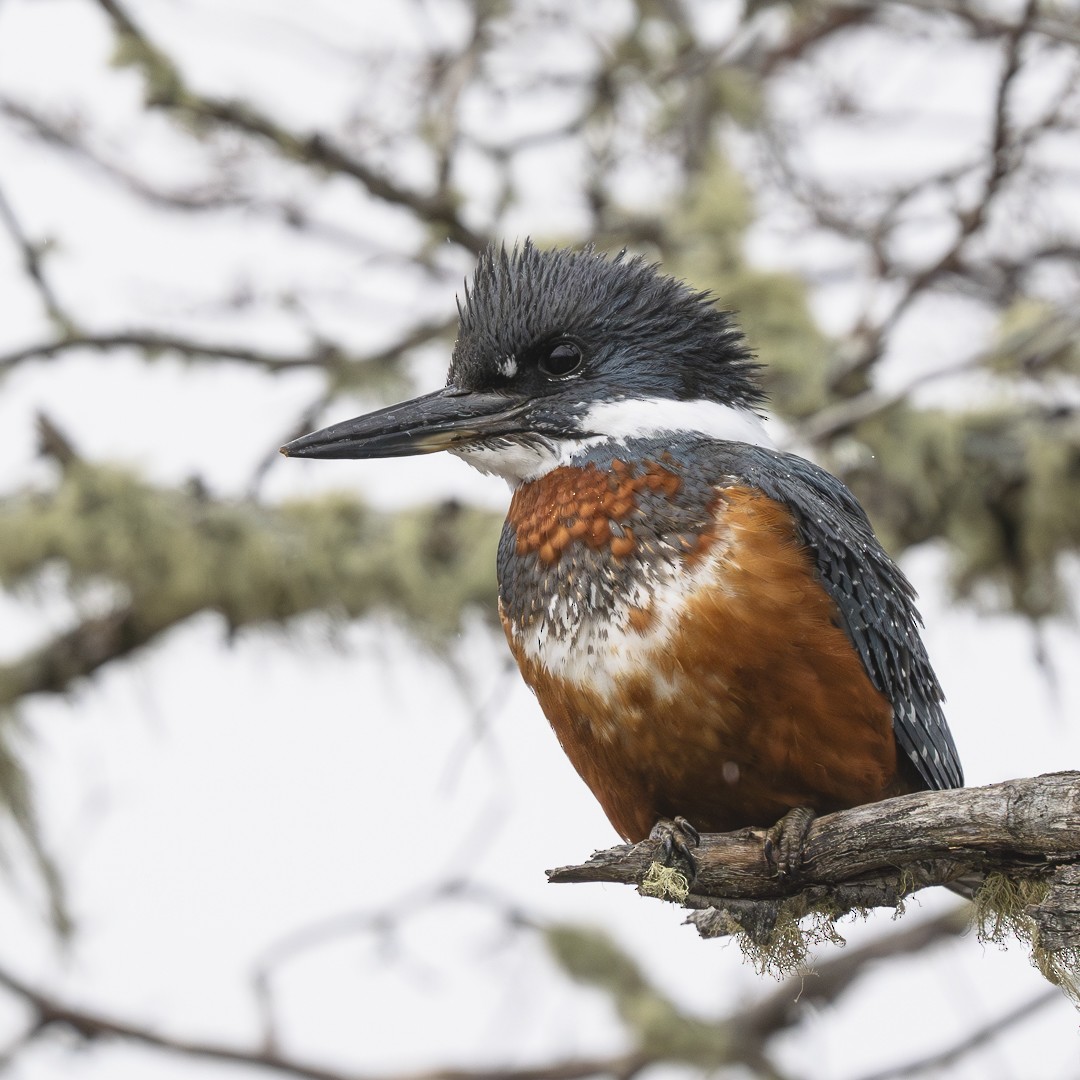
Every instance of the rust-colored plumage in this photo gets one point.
(754, 704)
(584, 505)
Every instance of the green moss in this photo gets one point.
(708, 230)
(167, 554)
(590, 956)
(1001, 484)
(738, 94)
(1001, 914)
(1000, 907)
(665, 883)
(775, 314)
(707, 227)
(1035, 338)
(782, 945)
(16, 802)
(659, 1029)
(163, 82)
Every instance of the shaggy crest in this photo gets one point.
(623, 310)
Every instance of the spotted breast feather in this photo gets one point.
(699, 647)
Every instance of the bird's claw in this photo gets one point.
(784, 841)
(677, 839)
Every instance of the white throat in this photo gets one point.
(617, 421)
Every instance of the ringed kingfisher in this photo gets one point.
(710, 624)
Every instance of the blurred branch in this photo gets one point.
(1022, 836)
(973, 1040)
(153, 341)
(172, 553)
(969, 220)
(92, 1025)
(52, 668)
(660, 1031)
(825, 23)
(450, 77)
(971, 198)
(18, 1044)
(167, 89)
(844, 415)
(219, 194)
(1029, 351)
(33, 262)
(663, 1030)
(984, 20)
(68, 137)
(383, 923)
(323, 355)
(55, 443)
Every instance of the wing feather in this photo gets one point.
(875, 600)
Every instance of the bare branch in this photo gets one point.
(973, 1040)
(91, 1025)
(982, 21)
(166, 89)
(1026, 352)
(78, 653)
(66, 135)
(154, 341)
(19, 1043)
(742, 1036)
(324, 355)
(383, 923)
(32, 262)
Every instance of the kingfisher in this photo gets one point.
(710, 624)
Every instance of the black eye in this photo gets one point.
(563, 358)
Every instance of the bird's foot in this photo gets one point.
(677, 839)
(784, 841)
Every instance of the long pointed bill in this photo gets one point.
(443, 420)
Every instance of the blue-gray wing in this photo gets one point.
(876, 602)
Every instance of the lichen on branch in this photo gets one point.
(165, 554)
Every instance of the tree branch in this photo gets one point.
(971, 1041)
(253, 565)
(984, 22)
(324, 355)
(166, 89)
(90, 1024)
(33, 263)
(1022, 837)
(659, 1030)
(153, 341)
(221, 193)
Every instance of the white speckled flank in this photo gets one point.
(579, 643)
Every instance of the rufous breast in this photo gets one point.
(681, 646)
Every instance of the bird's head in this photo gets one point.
(558, 351)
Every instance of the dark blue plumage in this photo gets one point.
(875, 600)
(619, 310)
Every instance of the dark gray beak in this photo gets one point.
(440, 421)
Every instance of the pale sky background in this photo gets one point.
(207, 800)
